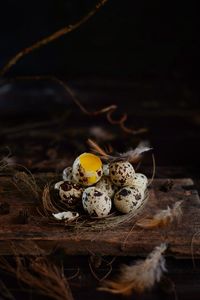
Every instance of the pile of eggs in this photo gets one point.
(97, 187)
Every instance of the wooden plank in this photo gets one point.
(119, 241)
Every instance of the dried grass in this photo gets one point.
(4, 292)
(26, 183)
(39, 273)
(139, 277)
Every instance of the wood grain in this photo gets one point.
(121, 241)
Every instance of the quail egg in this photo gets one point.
(105, 185)
(67, 174)
(70, 193)
(106, 169)
(96, 203)
(128, 199)
(139, 181)
(121, 173)
(87, 169)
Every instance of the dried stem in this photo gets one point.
(4, 291)
(40, 274)
(51, 38)
(25, 182)
(108, 111)
(47, 204)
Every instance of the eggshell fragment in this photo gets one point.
(58, 184)
(70, 193)
(66, 215)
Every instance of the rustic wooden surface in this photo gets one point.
(119, 241)
(42, 141)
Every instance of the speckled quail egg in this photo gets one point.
(87, 169)
(106, 169)
(139, 181)
(121, 173)
(67, 174)
(96, 203)
(70, 193)
(105, 185)
(128, 199)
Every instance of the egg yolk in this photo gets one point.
(90, 162)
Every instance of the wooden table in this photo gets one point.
(45, 141)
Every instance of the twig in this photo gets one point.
(51, 38)
(108, 111)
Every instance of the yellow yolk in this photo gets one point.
(87, 169)
(90, 162)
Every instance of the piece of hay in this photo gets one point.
(26, 183)
(4, 292)
(163, 217)
(139, 277)
(41, 274)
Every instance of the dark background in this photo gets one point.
(140, 55)
(126, 38)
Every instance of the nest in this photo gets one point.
(47, 200)
(50, 205)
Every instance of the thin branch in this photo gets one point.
(51, 38)
(108, 111)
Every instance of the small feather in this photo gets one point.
(140, 276)
(134, 155)
(163, 217)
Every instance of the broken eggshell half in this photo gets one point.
(70, 193)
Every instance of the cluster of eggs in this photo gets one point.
(96, 187)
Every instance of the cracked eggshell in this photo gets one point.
(66, 215)
(105, 185)
(70, 193)
(96, 203)
(67, 174)
(58, 184)
(87, 169)
(139, 181)
(121, 173)
(128, 199)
